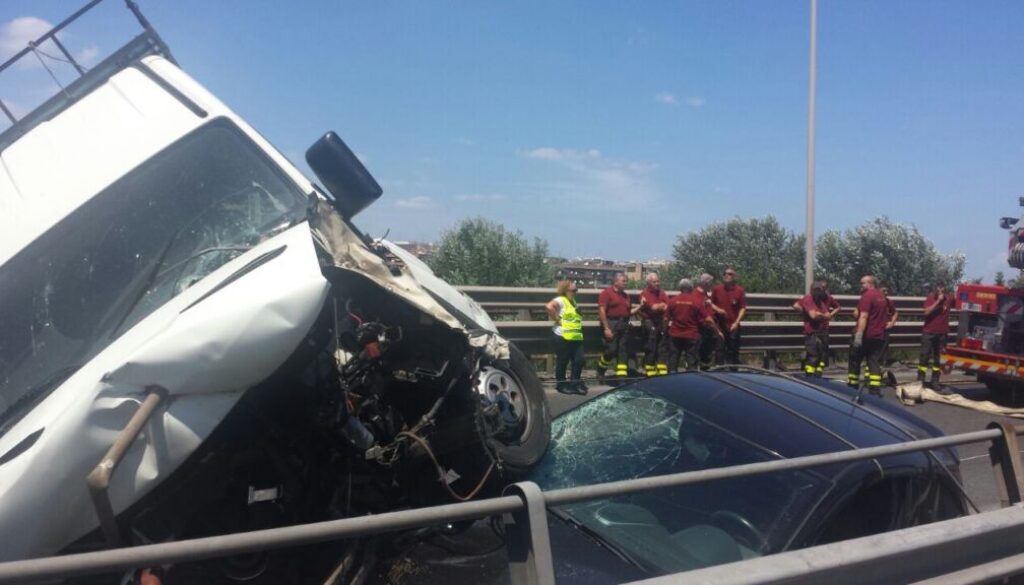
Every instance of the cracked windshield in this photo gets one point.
(630, 433)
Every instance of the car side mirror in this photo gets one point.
(1008, 222)
(344, 176)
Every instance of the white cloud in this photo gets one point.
(465, 141)
(695, 101)
(417, 202)
(87, 55)
(16, 34)
(664, 97)
(615, 183)
(480, 197)
(561, 154)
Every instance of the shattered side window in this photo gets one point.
(629, 433)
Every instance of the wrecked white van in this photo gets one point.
(191, 324)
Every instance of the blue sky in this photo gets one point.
(608, 128)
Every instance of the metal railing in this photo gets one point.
(766, 330)
(988, 542)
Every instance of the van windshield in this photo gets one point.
(159, 229)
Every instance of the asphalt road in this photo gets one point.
(975, 467)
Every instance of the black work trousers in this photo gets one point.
(816, 347)
(871, 350)
(730, 349)
(686, 350)
(615, 348)
(708, 347)
(568, 352)
(931, 350)
(656, 347)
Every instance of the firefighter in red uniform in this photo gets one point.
(653, 302)
(814, 307)
(614, 308)
(710, 344)
(732, 299)
(892, 314)
(933, 336)
(869, 336)
(833, 309)
(687, 314)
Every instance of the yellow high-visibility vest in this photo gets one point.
(572, 322)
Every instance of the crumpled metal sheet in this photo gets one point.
(490, 343)
(349, 253)
(913, 393)
(206, 356)
(416, 284)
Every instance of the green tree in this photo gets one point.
(478, 251)
(900, 256)
(1000, 279)
(768, 257)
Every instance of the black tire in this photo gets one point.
(997, 384)
(519, 456)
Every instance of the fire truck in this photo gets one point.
(990, 335)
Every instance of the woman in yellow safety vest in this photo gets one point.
(568, 331)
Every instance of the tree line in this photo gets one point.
(768, 257)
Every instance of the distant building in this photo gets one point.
(599, 272)
(421, 250)
(589, 272)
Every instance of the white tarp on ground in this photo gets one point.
(913, 393)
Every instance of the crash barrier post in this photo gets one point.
(99, 479)
(763, 332)
(980, 529)
(526, 537)
(1006, 463)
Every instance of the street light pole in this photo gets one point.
(809, 244)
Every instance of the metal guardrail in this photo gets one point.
(765, 331)
(528, 543)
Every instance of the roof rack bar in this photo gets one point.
(51, 33)
(71, 59)
(7, 112)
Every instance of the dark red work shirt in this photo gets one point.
(649, 298)
(831, 302)
(617, 304)
(890, 308)
(938, 321)
(686, 313)
(730, 299)
(872, 303)
(808, 304)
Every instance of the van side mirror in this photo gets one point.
(344, 176)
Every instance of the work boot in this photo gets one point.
(853, 380)
(936, 373)
(921, 371)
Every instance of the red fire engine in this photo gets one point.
(990, 336)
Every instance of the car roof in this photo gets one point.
(787, 416)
